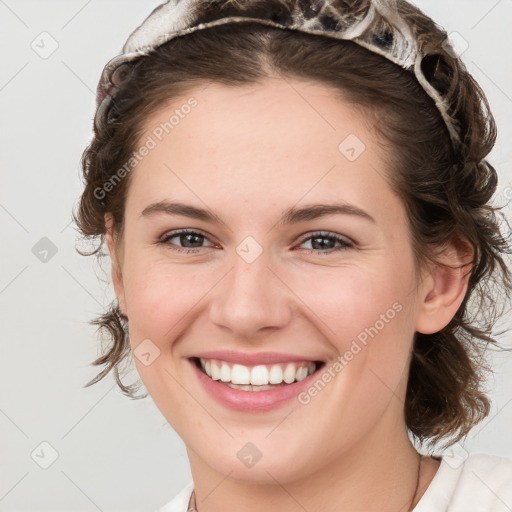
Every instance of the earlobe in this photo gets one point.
(117, 276)
(443, 290)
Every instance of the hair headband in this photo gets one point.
(373, 24)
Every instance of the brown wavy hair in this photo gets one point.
(447, 194)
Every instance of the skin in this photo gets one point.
(247, 154)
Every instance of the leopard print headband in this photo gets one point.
(377, 25)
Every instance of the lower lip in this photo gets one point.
(251, 401)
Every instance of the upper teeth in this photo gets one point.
(259, 375)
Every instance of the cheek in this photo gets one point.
(351, 302)
(160, 296)
(346, 303)
(366, 314)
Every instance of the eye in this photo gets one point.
(192, 240)
(325, 240)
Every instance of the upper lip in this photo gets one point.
(252, 359)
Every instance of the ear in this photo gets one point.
(115, 258)
(444, 288)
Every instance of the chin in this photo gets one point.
(260, 463)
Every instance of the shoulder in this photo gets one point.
(180, 502)
(478, 482)
(498, 468)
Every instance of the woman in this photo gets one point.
(295, 199)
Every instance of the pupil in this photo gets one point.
(322, 245)
(189, 237)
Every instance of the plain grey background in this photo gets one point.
(104, 451)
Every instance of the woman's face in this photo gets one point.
(300, 253)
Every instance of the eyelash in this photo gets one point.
(345, 244)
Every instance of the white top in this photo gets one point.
(478, 483)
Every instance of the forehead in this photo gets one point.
(276, 141)
(286, 112)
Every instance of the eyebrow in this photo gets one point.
(292, 215)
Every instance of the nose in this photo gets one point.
(251, 300)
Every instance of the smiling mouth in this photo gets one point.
(262, 377)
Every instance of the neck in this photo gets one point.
(372, 476)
